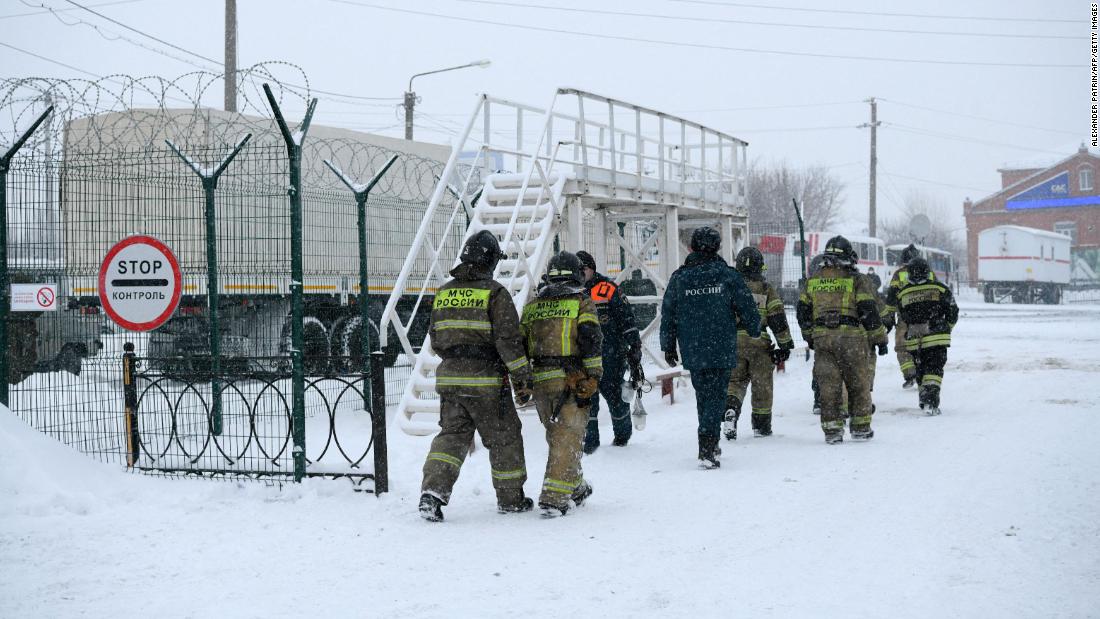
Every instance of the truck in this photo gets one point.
(1025, 265)
(113, 176)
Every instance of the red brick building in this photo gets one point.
(1064, 198)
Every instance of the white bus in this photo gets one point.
(941, 262)
(783, 257)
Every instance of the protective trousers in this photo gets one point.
(495, 419)
(929, 363)
(905, 360)
(611, 388)
(564, 435)
(710, 400)
(755, 367)
(872, 365)
(840, 361)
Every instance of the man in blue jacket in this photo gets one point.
(699, 315)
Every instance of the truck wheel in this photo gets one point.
(347, 345)
(315, 346)
(987, 294)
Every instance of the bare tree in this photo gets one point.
(918, 202)
(771, 187)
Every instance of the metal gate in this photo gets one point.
(269, 366)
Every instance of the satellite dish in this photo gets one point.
(919, 227)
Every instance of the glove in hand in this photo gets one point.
(809, 341)
(779, 355)
(672, 358)
(882, 350)
(524, 394)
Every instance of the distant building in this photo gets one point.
(1064, 198)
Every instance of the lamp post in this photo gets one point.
(410, 96)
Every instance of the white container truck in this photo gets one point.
(1025, 265)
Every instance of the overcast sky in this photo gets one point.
(955, 100)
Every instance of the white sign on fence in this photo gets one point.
(33, 297)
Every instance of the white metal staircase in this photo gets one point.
(569, 182)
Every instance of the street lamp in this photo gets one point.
(410, 96)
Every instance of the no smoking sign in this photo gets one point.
(140, 283)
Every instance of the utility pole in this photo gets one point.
(231, 55)
(873, 215)
(410, 104)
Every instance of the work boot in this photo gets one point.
(833, 438)
(620, 441)
(910, 382)
(729, 420)
(761, 425)
(553, 511)
(523, 505)
(431, 508)
(930, 399)
(512, 501)
(590, 448)
(862, 434)
(708, 452)
(582, 493)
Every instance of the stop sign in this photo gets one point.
(140, 283)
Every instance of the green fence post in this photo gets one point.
(298, 376)
(209, 184)
(361, 193)
(5, 279)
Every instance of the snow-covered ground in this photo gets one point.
(991, 510)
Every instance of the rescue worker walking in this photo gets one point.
(474, 328)
(563, 341)
(930, 313)
(836, 313)
(897, 280)
(756, 357)
(621, 348)
(704, 302)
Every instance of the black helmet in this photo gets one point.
(706, 240)
(750, 262)
(909, 253)
(840, 251)
(482, 250)
(565, 267)
(918, 270)
(587, 260)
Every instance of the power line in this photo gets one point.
(704, 45)
(766, 107)
(144, 34)
(216, 62)
(947, 136)
(781, 129)
(989, 120)
(931, 182)
(878, 13)
(767, 23)
(51, 60)
(50, 11)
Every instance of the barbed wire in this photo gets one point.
(122, 113)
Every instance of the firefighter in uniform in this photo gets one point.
(704, 302)
(621, 347)
(756, 357)
(930, 313)
(475, 329)
(897, 280)
(563, 341)
(837, 314)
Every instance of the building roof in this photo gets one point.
(1032, 177)
(1033, 231)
